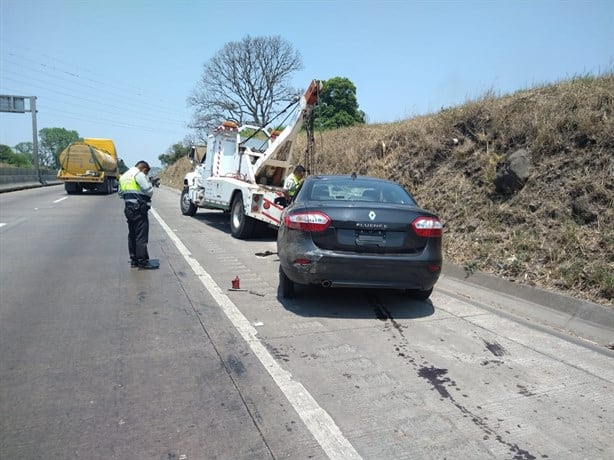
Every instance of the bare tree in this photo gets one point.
(244, 82)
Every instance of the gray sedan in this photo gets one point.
(349, 231)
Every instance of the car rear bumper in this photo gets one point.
(334, 269)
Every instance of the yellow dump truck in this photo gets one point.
(91, 164)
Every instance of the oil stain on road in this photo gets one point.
(440, 381)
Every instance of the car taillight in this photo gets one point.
(427, 227)
(307, 221)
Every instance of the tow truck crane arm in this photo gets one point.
(278, 153)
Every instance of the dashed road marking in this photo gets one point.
(318, 421)
(2, 224)
(60, 199)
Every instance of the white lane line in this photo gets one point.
(2, 224)
(60, 199)
(318, 421)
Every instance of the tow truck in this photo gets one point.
(243, 169)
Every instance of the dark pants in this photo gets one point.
(138, 231)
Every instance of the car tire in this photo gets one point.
(241, 226)
(419, 294)
(286, 285)
(187, 207)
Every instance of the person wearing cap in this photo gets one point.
(136, 191)
(294, 180)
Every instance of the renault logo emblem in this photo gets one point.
(372, 215)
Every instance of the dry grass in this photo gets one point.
(449, 159)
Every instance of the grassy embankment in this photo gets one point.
(556, 232)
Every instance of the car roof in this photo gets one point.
(348, 176)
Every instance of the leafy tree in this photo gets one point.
(15, 159)
(52, 142)
(26, 149)
(5, 153)
(338, 105)
(245, 82)
(174, 153)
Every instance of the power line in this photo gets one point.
(77, 73)
(83, 95)
(108, 122)
(97, 102)
(122, 97)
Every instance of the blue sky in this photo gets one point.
(123, 69)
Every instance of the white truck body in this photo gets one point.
(243, 173)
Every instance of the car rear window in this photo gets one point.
(362, 191)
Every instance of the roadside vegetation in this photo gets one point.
(524, 183)
(52, 141)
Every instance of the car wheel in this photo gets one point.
(187, 207)
(419, 294)
(286, 285)
(241, 226)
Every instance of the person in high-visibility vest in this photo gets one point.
(294, 180)
(136, 191)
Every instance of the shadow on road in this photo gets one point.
(220, 220)
(316, 301)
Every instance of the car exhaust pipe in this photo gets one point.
(326, 283)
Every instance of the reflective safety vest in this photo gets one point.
(127, 181)
(130, 190)
(295, 184)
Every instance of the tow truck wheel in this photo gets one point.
(241, 226)
(187, 207)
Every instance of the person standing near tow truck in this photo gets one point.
(136, 191)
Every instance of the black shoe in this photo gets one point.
(148, 266)
(134, 264)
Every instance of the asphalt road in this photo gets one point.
(101, 361)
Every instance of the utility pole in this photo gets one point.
(16, 104)
(35, 140)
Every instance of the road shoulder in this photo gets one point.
(581, 318)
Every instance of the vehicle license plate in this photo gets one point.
(376, 237)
